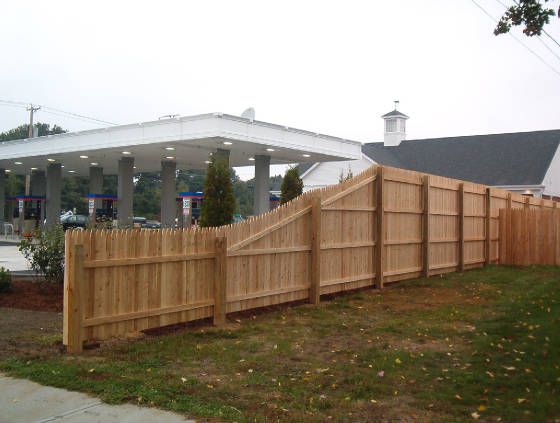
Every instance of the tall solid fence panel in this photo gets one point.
(383, 225)
(530, 236)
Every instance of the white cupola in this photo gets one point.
(395, 127)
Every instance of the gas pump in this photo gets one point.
(190, 203)
(28, 214)
(104, 214)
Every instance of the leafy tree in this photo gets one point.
(219, 203)
(45, 253)
(533, 14)
(292, 185)
(22, 131)
(147, 195)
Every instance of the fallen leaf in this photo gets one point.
(381, 373)
(475, 415)
(481, 407)
(398, 360)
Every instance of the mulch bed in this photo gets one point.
(31, 295)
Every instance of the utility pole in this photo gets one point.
(31, 109)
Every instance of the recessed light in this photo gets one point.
(306, 155)
(94, 164)
(51, 160)
(270, 149)
(207, 162)
(126, 152)
(170, 148)
(18, 163)
(7, 170)
(252, 159)
(71, 171)
(33, 168)
(170, 157)
(84, 157)
(134, 167)
(62, 166)
(228, 143)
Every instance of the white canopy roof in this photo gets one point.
(187, 140)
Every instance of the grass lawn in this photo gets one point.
(482, 345)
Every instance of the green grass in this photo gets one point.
(483, 342)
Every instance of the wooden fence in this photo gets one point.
(530, 237)
(383, 225)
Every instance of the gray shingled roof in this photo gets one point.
(394, 113)
(520, 158)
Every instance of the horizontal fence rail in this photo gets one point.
(382, 226)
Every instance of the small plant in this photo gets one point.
(5, 280)
(292, 185)
(45, 253)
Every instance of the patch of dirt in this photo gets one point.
(422, 298)
(31, 295)
(27, 333)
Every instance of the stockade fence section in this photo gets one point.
(384, 225)
(530, 237)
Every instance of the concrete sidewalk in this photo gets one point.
(25, 401)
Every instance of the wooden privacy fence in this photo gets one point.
(383, 225)
(530, 237)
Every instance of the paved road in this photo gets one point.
(25, 401)
(11, 258)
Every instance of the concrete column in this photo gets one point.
(2, 199)
(39, 188)
(168, 194)
(261, 201)
(95, 187)
(54, 184)
(222, 153)
(125, 192)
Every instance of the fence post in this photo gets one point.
(380, 228)
(461, 227)
(488, 240)
(502, 259)
(315, 274)
(220, 281)
(426, 226)
(76, 280)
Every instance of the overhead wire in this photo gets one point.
(538, 38)
(552, 68)
(54, 111)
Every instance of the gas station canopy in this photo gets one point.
(186, 140)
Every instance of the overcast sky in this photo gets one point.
(324, 66)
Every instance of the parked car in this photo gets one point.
(151, 224)
(75, 221)
(138, 222)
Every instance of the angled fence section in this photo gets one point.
(384, 225)
(530, 236)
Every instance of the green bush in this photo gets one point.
(292, 185)
(219, 201)
(45, 253)
(5, 280)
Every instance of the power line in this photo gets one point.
(552, 68)
(546, 33)
(539, 38)
(52, 110)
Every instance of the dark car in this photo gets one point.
(75, 221)
(151, 224)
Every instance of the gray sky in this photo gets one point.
(325, 66)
